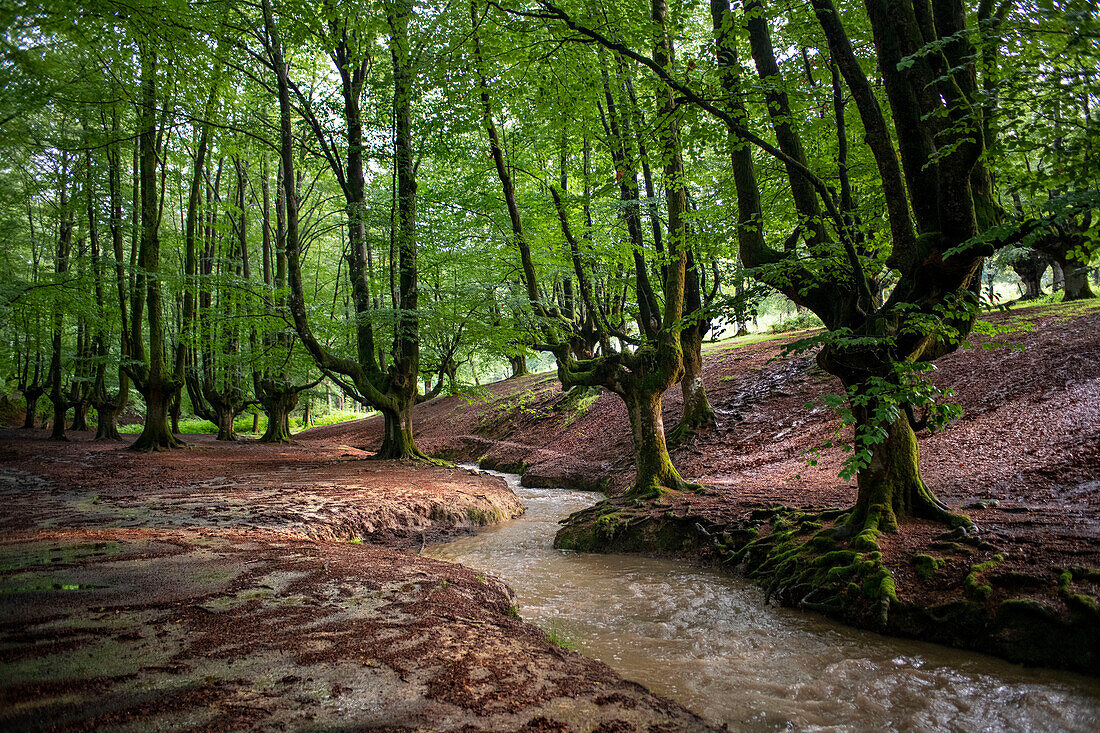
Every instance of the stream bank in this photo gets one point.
(710, 641)
(987, 608)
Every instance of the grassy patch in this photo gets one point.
(556, 636)
(243, 423)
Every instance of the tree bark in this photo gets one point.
(519, 366)
(1076, 281)
(698, 413)
(80, 415)
(107, 421)
(150, 373)
(1030, 269)
(890, 489)
(61, 266)
(224, 416)
(397, 438)
(155, 435)
(655, 474)
(32, 397)
(277, 402)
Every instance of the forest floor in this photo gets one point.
(225, 586)
(249, 586)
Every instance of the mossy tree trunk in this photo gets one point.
(80, 415)
(224, 416)
(519, 366)
(391, 388)
(655, 473)
(60, 407)
(148, 368)
(698, 413)
(1076, 278)
(175, 406)
(277, 404)
(107, 423)
(397, 437)
(1030, 268)
(156, 435)
(61, 266)
(890, 488)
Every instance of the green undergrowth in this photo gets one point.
(560, 638)
(526, 403)
(243, 424)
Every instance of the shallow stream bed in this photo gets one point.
(710, 641)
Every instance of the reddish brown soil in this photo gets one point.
(216, 589)
(1029, 439)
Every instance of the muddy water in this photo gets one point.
(710, 642)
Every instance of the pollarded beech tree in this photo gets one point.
(639, 375)
(150, 369)
(392, 389)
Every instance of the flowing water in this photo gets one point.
(710, 642)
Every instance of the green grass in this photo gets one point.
(749, 340)
(243, 423)
(559, 638)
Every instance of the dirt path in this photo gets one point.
(229, 587)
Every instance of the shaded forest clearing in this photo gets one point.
(249, 585)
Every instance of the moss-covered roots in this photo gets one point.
(811, 558)
(1080, 602)
(625, 525)
(801, 563)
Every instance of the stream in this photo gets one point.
(710, 642)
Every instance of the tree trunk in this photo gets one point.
(255, 423)
(155, 435)
(1058, 280)
(307, 415)
(397, 439)
(452, 378)
(655, 473)
(277, 405)
(1076, 281)
(698, 413)
(174, 407)
(519, 366)
(890, 488)
(32, 397)
(1030, 269)
(107, 425)
(223, 418)
(60, 406)
(80, 415)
